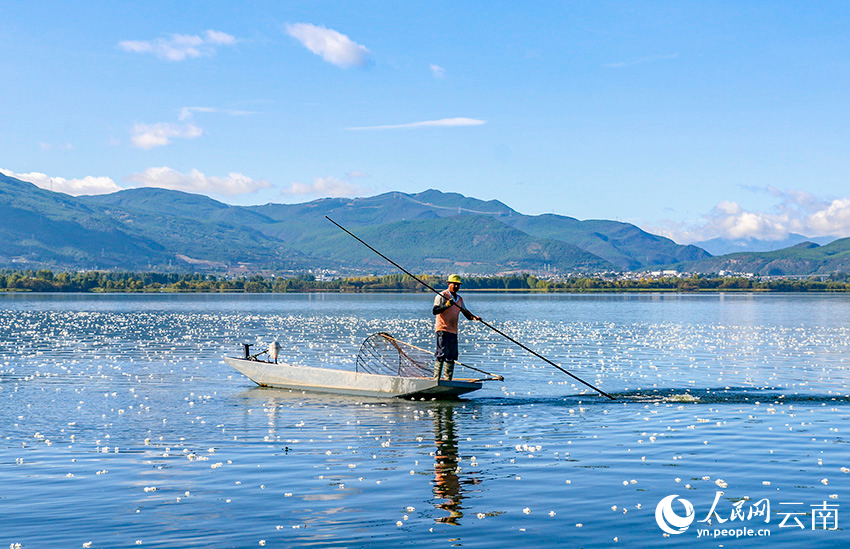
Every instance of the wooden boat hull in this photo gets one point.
(326, 380)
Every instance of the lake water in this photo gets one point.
(121, 425)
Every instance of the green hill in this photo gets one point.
(43, 227)
(158, 229)
(468, 243)
(802, 259)
(625, 245)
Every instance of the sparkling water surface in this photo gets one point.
(123, 427)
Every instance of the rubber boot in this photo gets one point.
(450, 370)
(438, 369)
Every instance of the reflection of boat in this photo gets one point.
(326, 380)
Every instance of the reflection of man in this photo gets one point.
(447, 308)
(446, 483)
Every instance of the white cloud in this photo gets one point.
(831, 220)
(332, 46)
(75, 187)
(735, 222)
(795, 212)
(324, 186)
(178, 47)
(442, 123)
(438, 71)
(197, 182)
(148, 136)
(220, 38)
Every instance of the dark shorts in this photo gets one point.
(446, 346)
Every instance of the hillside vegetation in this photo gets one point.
(163, 230)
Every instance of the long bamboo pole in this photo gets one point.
(466, 311)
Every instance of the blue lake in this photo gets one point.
(121, 425)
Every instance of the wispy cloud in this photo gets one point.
(186, 113)
(148, 136)
(178, 47)
(75, 187)
(196, 182)
(51, 147)
(438, 71)
(442, 123)
(334, 47)
(640, 61)
(795, 212)
(325, 186)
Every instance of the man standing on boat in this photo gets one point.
(447, 308)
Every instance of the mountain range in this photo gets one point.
(432, 231)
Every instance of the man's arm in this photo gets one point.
(441, 304)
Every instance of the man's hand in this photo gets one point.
(478, 318)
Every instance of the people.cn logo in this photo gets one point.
(668, 520)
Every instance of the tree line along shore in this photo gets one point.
(100, 281)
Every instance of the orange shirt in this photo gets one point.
(447, 320)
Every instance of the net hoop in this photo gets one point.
(383, 354)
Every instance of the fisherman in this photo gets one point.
(447, 307)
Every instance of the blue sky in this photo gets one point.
(690, 119)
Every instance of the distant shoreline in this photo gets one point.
(45, 281)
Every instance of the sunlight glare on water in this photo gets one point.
(123, 427)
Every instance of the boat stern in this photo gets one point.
(444, 390)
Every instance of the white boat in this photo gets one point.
(328, 380)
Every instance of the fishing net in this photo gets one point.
(382, 354)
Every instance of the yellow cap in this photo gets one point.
(454, 278)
